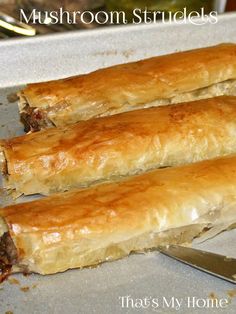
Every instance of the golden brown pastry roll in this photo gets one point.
(106, 222)
(104, 149)
(158, 81)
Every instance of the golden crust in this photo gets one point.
(105, 149)
(82, 228)
(152, 82)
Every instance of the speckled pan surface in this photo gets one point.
(99, 290)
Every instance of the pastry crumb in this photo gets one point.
(213, 296)
(12, 97)
(24, 289)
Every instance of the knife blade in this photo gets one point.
(218, 265)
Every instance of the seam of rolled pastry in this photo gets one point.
(114, 251)
(3, 165)
(9, 185)
(3, 162)
(156, 81)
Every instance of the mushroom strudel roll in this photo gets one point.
(109, 221)
(79, 155)
(158, 81)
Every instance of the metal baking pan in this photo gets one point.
(120, 286)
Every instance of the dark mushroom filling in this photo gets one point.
(8, 255)
(34, 119)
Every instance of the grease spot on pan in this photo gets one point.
(125, 53)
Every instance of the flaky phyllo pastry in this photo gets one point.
(108, 148)
(137, 207)
(158, 81)
(107, 222)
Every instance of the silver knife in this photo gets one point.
(218, 265)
